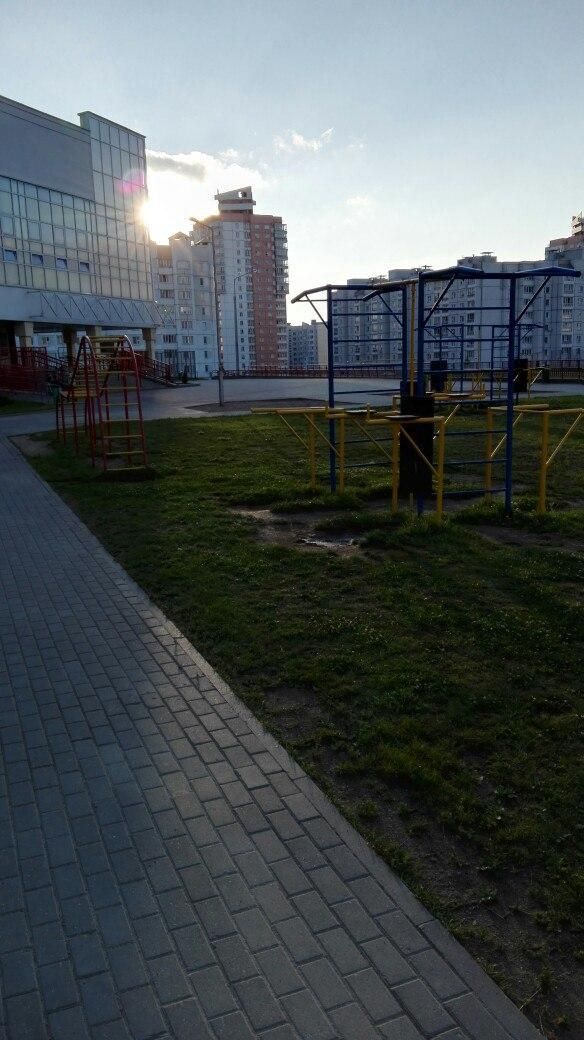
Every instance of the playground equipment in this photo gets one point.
(427, 382)
(105, 383)
(388, 441)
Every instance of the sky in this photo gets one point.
(386, 133)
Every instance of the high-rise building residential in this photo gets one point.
(184, 292)
(361, 328)
(307, 345)
(251, 256)
(74, 252)
(469, 327)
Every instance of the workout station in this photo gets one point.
(420, 435)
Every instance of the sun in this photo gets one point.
(171, 200)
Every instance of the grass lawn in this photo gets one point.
(8, 406)
(429, 678)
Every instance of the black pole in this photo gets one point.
(510, 381)
(420, 344)
(331, 388)
(404, 339)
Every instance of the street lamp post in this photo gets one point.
(235, 320)
(220, 369)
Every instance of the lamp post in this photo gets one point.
(211, 242)
(235, 321)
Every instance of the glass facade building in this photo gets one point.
(74, 251)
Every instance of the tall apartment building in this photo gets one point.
(308, 345)
(470, 326)
(74, 253)
(251, 256)
(550, 329)
(362, 329)
(184, 292)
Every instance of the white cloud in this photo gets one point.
(359, 201)
(183, 184)
(291, 141)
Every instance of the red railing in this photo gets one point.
(152, 369)
(20, 379)
(559, 371)
(349, 371)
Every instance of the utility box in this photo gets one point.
(438, 374)
(415, 476)
(520, 375)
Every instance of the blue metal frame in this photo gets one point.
(463, 272)
(307, 296)
(510, 335)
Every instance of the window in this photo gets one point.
(169, 337)
(167, 294)
(9, 255)
(60, 263)
(84, 267)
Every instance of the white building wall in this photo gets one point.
(183, 288)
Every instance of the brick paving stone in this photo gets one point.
(234, 958)
(259, 1004)
(326, 983)
(307, 1017)
(165, 872)
(215, 996)
(426, 1011)
(279, 971)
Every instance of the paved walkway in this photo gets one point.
(166, 870)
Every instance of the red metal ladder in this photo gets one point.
(121, 406)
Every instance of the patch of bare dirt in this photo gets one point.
(297, 530)
(540, 539)
(31, 447)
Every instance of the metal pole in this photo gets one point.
(394, 466)
(462, 358)
(412, 335)
(440, 468)
(516, 374)
(420, 373)
(219, 351)
(489, 465)
(492, 360)
(509, 420)
(404, 339)
(545, 434)
(220, 369)
(331, 387)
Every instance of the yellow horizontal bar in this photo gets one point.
(318, 409)
(521, 407)
(565, 437)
